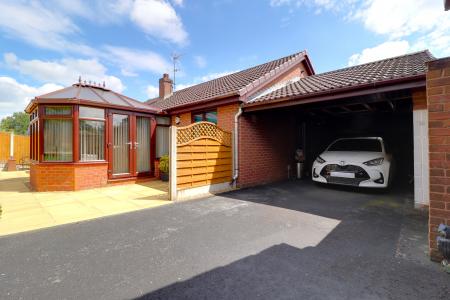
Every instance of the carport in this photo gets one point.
(385, 98)
(386, 115)
(390, 115)
(404, 99)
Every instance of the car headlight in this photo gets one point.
(374, 162)
(320, 160)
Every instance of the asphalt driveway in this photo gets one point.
(289, 240)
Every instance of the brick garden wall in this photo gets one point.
(266, 147)
(67, 177)
(438, 100)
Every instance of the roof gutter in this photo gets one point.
(333, 94)
(69, 101)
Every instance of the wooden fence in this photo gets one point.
(21, 145)
(203, 154)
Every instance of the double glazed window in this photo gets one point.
(92, 133)
(58, 133)
(209, 116)
(162, 136)
(34, 135)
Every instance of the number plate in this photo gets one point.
(343, 174)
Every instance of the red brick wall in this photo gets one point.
(67, 177)
(419, 97)
(185, 119)
(438, 100)
(90, 176)
(225, 116)
(266, 148)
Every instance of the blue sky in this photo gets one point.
(45, 45)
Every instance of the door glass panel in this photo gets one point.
(121, 144)
(143, 144)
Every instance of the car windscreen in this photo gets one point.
(366, 145)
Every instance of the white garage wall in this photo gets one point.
(421, 161)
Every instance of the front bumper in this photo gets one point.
(354, 174)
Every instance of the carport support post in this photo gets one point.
(173, 163)
(438, 101)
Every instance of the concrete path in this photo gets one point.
(283, 241)
(23, 210)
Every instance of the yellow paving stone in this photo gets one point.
(56, 201)
(69, 210)
(24, 210)
(13, 214)
(106, 204)
(148, 203)
(125, 195)
(19, 207)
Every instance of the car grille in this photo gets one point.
(360, 174)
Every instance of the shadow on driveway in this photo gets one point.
(367, 256)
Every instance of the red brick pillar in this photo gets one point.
(157, 168)
(438, 101)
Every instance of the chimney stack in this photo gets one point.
(165, 86)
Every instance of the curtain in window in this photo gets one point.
(92, 140)
(58, 140)
(121, 144)
(143, 144)
(162, 141)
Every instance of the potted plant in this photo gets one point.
(164, 168)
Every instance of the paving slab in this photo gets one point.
(25, 210)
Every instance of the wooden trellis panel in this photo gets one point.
(204, 155)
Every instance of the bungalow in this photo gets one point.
(270, 110)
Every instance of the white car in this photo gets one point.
(359, 162)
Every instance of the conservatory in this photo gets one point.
(86, 135)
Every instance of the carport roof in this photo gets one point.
(383, 72)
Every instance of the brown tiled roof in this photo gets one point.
(225, 86)
(93, 95)
(378, 72)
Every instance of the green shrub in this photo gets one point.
(164, 164)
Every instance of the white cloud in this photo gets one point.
(39, 26)
(384, 50)
(51, 24)
(422, 23)
(178, 2)
(401, 17)
(152, 91)
(14, 96)
(65, 71)
(158, 18)
(200, 61)
(318, 4)
(132, 60)
(276, 3)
